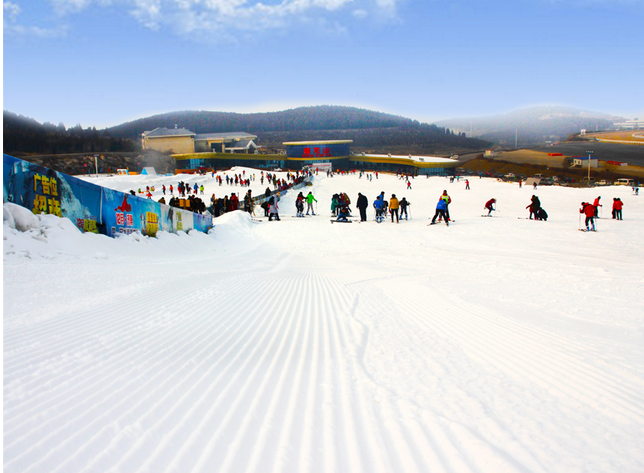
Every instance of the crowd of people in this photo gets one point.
(187, 197)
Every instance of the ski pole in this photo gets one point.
(579, 226)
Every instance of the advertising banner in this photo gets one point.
(92, 208)
(43, 190)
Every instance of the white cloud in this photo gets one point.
(360, 13)
(10, 11)
(13, 28)
(227, 17)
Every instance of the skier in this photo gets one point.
(489, 205)
(377, 205)
(299, 205)
(403, 207)
(467, 184)
(534, 206)
(448, 200)
(393, 207)
(248, 202)
(596, 204)
(589, 211)
(362, 204)
(617, 208)
(163, 189)
(441, 206)
(335, 201)
(273, 209)
(309, 203)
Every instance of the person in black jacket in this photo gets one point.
(362, 204)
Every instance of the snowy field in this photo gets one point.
(492, 345)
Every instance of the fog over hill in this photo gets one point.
(531, 126)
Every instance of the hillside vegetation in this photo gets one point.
(24, 136)
(367, 129)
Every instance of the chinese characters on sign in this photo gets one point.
(325, 153)
(124, 219)
(152, 223)
(46, 198)
(87, 225)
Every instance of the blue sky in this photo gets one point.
(103, 62)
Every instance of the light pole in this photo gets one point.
(590, 153)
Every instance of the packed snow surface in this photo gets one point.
(492, 345)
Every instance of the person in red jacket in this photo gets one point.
(596, 204)
(617, 208)
(490, 206)
(589, 211)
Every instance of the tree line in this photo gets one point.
(23, 135)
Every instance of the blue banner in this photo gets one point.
(90, 207)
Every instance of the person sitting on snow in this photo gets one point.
(343, 214)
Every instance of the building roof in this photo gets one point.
(236, 135)
(417, 161)
(162, 132)
(318, 142)
(244, 144)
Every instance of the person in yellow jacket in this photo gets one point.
(393, 207)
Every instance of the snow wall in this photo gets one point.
(90, 207)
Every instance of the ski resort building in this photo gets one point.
(182, 141)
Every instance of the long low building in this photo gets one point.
(301, 154)
(417, 165)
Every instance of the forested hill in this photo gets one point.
(25, 136)
(365, 127)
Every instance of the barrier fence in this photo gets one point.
(91, 207)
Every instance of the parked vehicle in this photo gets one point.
(625, 182)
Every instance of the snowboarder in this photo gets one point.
(489, 205)
(588, 210)
(343, 214)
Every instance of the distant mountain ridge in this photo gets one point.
(531, 126)
(366, 128)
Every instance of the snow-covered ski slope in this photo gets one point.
(492, 345)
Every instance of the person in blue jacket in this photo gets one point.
(440, 211)
(378, 206)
